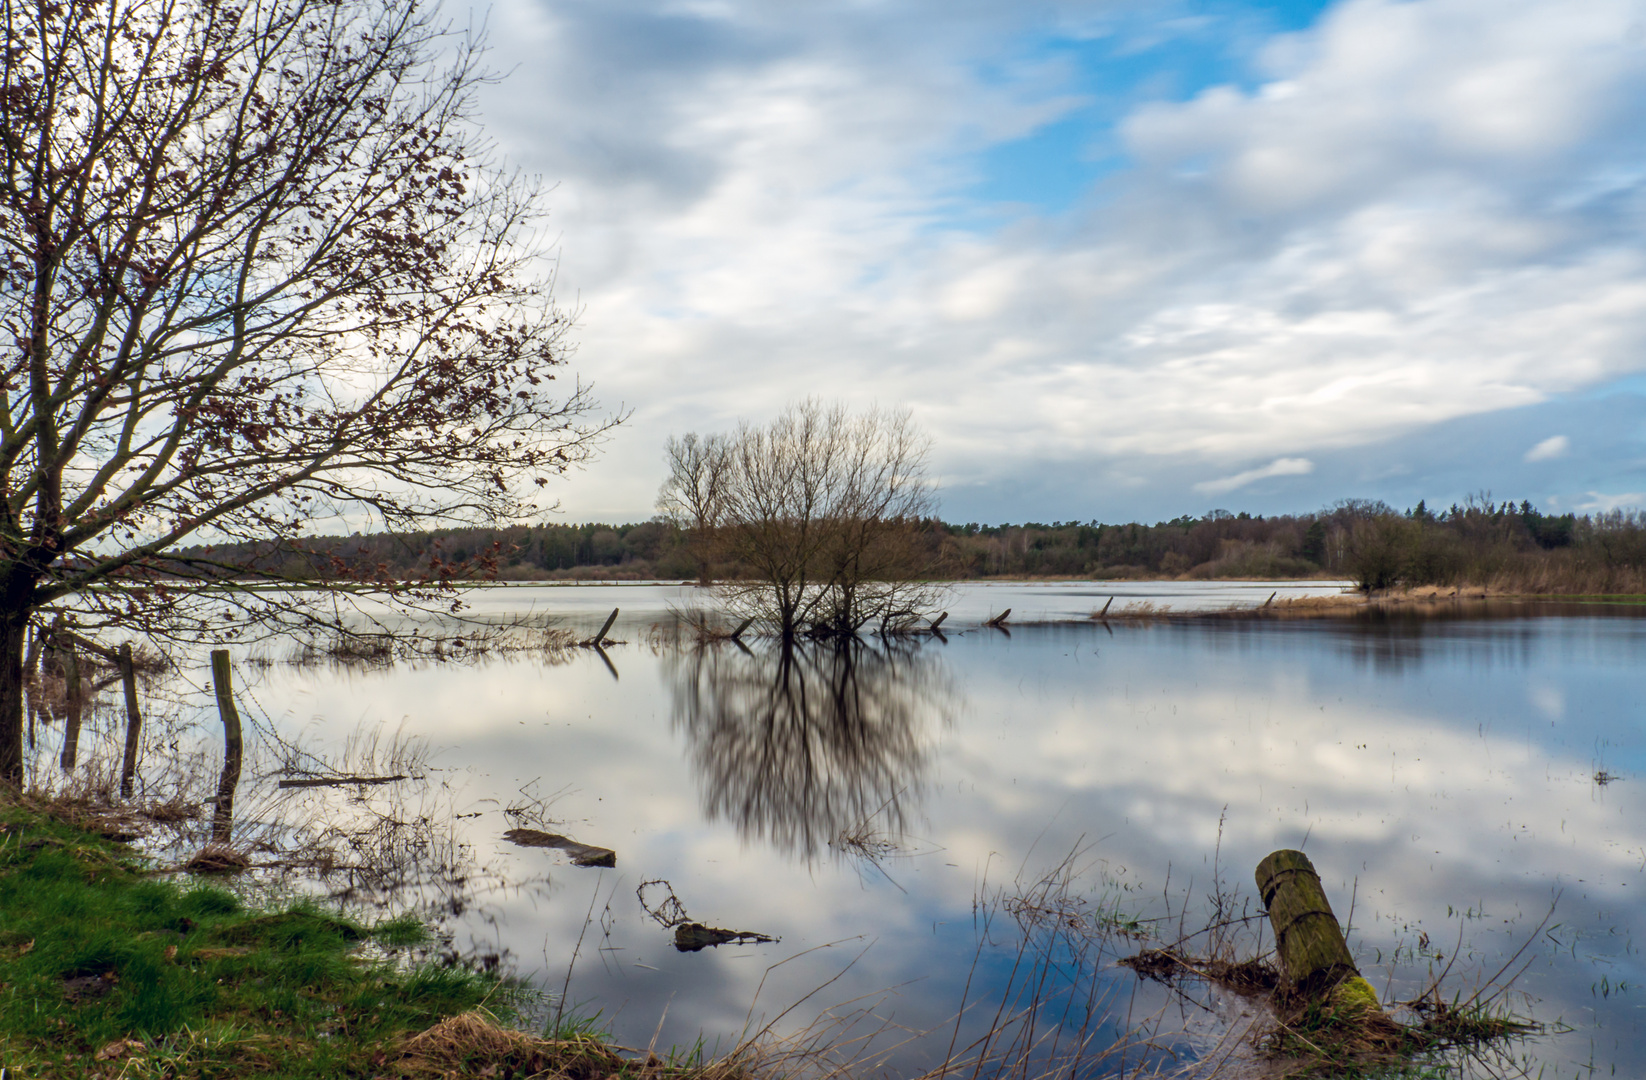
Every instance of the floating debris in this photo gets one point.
(669, 912)
(338, 781)
(1248, 978)
(694, 937)
(581, 854)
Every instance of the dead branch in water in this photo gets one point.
(339, 781)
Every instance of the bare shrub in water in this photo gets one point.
(824, 512)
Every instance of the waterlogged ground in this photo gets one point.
(1453, 779)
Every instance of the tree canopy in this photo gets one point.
(259, 276)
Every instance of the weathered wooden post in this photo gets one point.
(937, 622)
(1314, 958)
(222, 821)
(134, 721)
(742, 626)
(72, 706)
(31, 678)
(601, 637)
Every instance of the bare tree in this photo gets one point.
(259, 274)
(823, 511)
(692, 494)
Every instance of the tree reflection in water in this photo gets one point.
(802, 742)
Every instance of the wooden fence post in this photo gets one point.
(31, 676)
(1314, 958)
(223, 816)
(134, 721)
(72, 707)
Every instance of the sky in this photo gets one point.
(1121, 260)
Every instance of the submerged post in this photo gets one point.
(600, 637)
(72, 706)
(134, 721)
(742, 626)
(222, 821)
(31, 677)
(937, 622)
(1314, 958)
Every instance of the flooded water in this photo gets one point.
(877, 807)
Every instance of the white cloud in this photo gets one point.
(1278, 467)
(1599, 502)
(1423, 215)
(1555, 446)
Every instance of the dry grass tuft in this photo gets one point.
(217, 859)
(475, 1044)
(94, 809)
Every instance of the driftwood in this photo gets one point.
(338, 781)
(580, 854)
(999, 620)
(694, 937)
(1314, 958)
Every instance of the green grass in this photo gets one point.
(94, 951)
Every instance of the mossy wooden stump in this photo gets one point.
(1314, 958)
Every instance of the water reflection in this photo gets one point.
(797, 744)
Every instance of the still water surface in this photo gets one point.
(1440, 772)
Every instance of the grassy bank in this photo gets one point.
(108, 969)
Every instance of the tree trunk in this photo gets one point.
(14, 626)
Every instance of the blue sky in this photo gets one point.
(1170, 53)
(1120, 259)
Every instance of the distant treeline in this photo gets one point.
(1506, 546)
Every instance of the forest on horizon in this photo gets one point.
(1509, 545)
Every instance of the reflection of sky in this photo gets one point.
(1422, 768)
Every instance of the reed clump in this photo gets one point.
(1311, 1034)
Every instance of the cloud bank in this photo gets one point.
(1324, 242)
